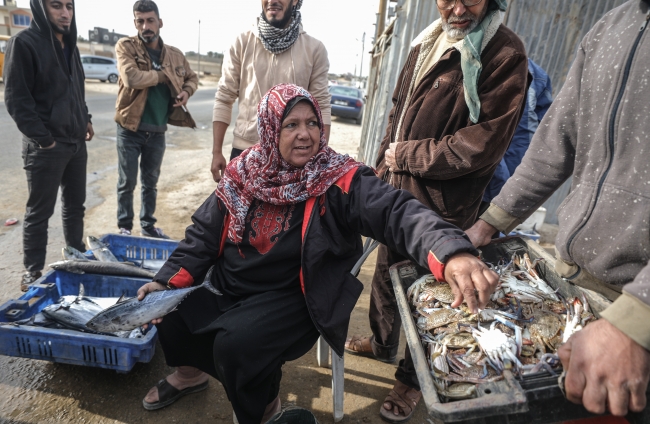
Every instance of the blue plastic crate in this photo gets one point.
(131, 248)
(68, 346)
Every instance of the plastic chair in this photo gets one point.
(337, 363)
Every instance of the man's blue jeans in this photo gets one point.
(149, 149)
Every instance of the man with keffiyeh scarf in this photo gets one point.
(276, 50)
(456, 106)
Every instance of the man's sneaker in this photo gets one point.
(29, 277)
(125, 232)
(154, 232)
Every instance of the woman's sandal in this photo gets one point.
(168, 394)
(406, 402)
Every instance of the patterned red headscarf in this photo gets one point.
(260, 172)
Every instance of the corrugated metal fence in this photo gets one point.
(551, 31)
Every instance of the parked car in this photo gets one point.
(101, 68)
(347, 102)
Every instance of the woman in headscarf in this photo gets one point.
(283, 232)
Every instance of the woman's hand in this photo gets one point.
(468, 277)
(150, 288)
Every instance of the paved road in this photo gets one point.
(102, 107)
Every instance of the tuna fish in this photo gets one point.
(101, 250)
(72, 254)
(74, 312)
(103, 268)
(132, 313)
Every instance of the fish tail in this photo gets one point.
(210, 287)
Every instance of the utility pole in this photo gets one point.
(199, 71)
(381, 18)
(363, 51)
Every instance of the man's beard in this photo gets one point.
(280, 23)
(458, 33)
(149, 38)
(60, 30)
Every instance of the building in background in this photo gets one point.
(13, 19)
(104, 36)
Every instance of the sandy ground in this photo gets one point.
(42, 392)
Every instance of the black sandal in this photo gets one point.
(168, 394)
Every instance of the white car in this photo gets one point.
(101, 68)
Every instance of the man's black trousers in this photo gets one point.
(63, 166)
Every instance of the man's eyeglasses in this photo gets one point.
(450, 4)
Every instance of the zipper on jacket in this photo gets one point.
(302, 255)
(612, 127)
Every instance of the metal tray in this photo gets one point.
(535, 399)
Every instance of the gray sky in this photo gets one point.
(337, 23)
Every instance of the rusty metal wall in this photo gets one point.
(550, 29)
(388, 56)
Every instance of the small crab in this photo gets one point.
(457, 391)
(577, 317)
(546, 330)
(427, 288)
(439, 318)
(499, 348)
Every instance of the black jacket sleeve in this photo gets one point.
(199, 250)
(19, 76)
(395, 218)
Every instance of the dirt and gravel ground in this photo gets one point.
(42, 392)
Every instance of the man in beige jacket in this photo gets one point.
(155, 84)
(276, 50)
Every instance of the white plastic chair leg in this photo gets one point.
(323, 353)
(338, 390)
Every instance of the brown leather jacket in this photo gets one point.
(136, 76)
(443, 159)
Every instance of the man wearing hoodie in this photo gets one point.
(44, 94)
(456, 106)
(276, 50)
(596, 132)
(156, 82)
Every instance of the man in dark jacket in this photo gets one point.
(44, 94)
(538, 99)
(457, 103)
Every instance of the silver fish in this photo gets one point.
(101, 250)
(72, 254)
(151, 264)
(73, 314)
(133, 313)
(103, 268)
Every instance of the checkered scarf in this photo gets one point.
(277, 40)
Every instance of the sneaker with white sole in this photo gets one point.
(154, 232)
(29, 278)
(125, 232)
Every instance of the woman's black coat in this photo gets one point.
(358, 204)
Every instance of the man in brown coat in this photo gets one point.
(156, 82)
(456, 106)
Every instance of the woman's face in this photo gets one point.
(300, 135)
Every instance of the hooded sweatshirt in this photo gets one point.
(250, 71)
(44, 92)
(596, 131)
